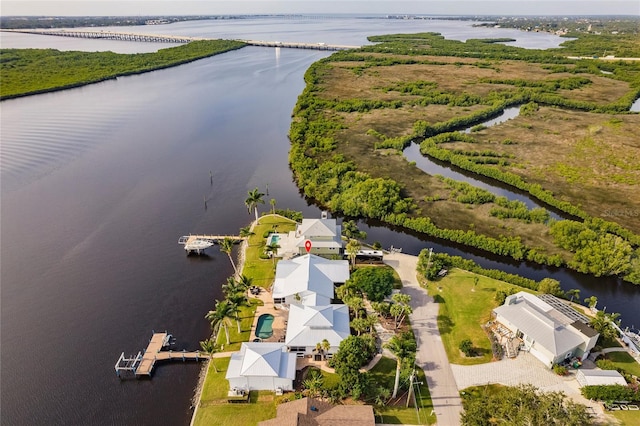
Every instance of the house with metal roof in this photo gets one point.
(324, 234)
(308, 280)
(262, 366)
(310, 325)
(545, 332)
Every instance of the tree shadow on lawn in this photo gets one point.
(445, 324)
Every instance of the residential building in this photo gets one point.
(308, 280)
(550, 333)
(325, 236)
(310, 325)
(262, 366)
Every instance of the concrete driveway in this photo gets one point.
(430, 356)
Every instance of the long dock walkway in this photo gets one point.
(143, 364)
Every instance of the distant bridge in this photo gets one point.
(292, 45)
(156, 38)
(109, 35)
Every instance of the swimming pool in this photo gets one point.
(273, 239)
(264, 328)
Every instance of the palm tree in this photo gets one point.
(253, 199)
(400, 307)
(273, 205)
(402, 346)
(591, 301)
(221, 317)
(245, 282)
(318, 349)
(231, 287)
(361, 324)
(246, 232)
(272, 249)
(575, 292)
(353, 247)
(326, 346)
(237, 300)
(209, 347)
(226, 246)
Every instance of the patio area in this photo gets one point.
(280, 316)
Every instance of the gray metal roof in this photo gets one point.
(532, 318)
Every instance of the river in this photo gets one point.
(99, 182)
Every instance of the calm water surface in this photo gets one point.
(99, 182)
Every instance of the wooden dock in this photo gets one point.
(143, 364)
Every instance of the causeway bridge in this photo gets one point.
(109, 35)
(157, 38)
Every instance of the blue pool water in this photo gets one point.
(264, 328)
(274, 239)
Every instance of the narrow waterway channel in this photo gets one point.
(435, 167)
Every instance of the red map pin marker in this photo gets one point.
(307, 245)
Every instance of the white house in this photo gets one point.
(262, 366)
(325, 235)
(310, 325)
(550, 335)
(308, 280)
(599, 377)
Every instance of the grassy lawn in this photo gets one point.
(624, 361)
(463, 310)
(627, 418)
(608, 343)
(246, 321)
(481, 391)
(331, 380)
(262, 271)
(384, 375)
(215, 410)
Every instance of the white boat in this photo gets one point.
(197, 246)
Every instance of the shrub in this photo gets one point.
(466, 346)
(611, 393)
(560, 370)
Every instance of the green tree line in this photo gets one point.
(31, 71)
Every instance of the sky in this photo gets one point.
(207, 7)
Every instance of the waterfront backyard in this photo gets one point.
(212, 406)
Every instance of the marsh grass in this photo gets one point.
(587, 159)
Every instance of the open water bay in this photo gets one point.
(98, 183)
